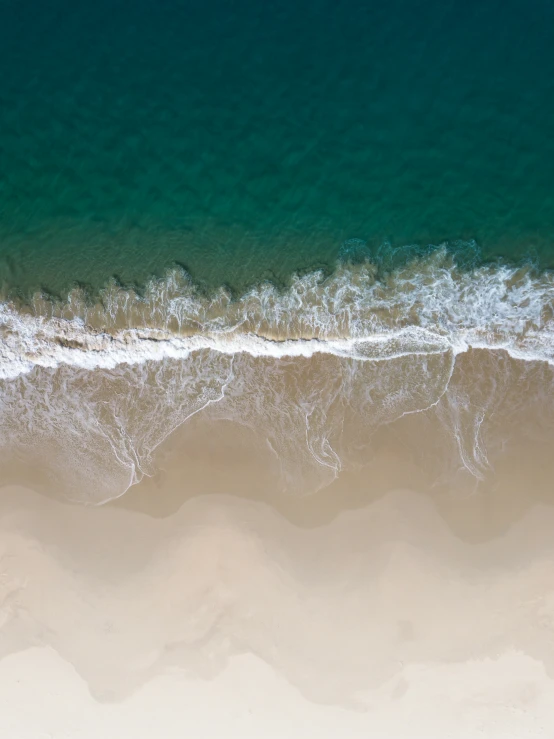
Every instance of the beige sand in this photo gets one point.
(225, 619)
(404, 599)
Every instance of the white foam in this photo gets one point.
(180, 353)
(427, 307)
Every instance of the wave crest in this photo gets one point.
(314, 370)
(427, 306)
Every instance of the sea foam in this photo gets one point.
(429, 306)
(314, 370)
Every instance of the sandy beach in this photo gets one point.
(205, 602)
(276, 369)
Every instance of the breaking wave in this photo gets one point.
(429, 306)
(98, 387)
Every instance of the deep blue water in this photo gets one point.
(246, 140)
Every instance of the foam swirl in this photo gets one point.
(428, 306)
(93, 390)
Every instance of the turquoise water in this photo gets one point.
(247, 141)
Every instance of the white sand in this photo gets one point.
(225, 620)
(42, 696)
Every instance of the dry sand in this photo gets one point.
(224, 617)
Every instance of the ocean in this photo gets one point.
(277, 342)
(249, 141)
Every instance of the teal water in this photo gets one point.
(246, 141)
